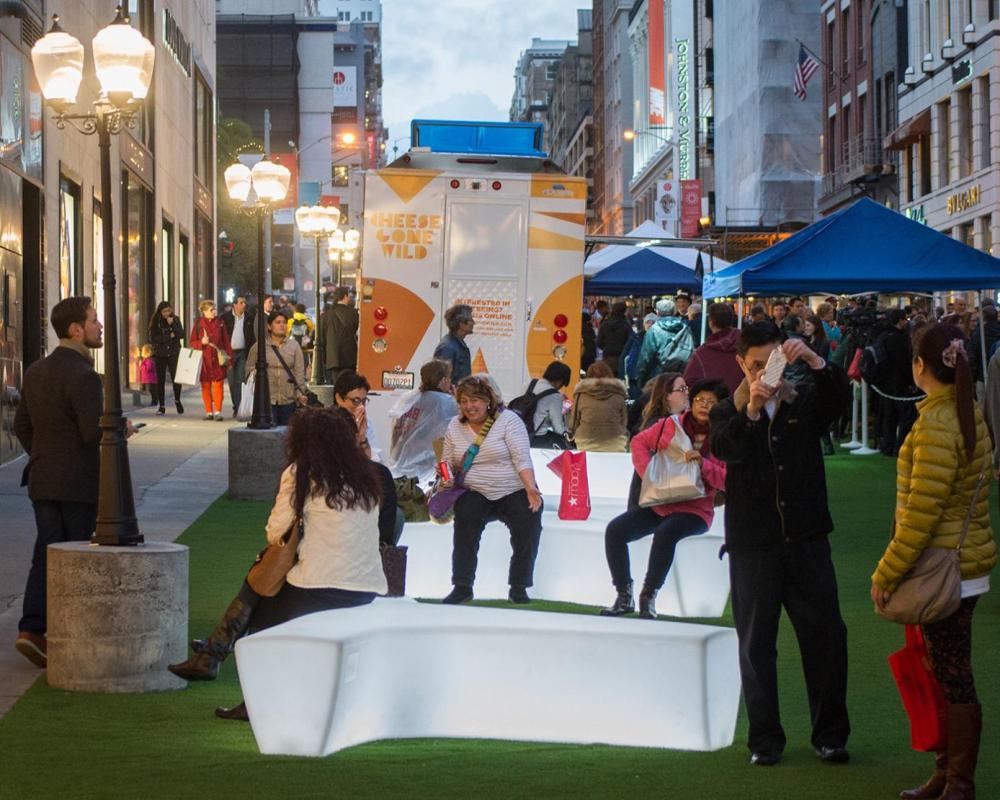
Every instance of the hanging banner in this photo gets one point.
(683, 100)
(657, 72)
(345, 86)
(665, 213)
(690, 208)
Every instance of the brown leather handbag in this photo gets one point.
(394, 567)
(267, 575)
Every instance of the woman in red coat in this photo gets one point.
(210, 336)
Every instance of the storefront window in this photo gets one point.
(138, 268)
(167, 263)
(70, 238)
(204, 254)
(97, 287)
(141, 17)
(204, 132)
(182, 279)
(987, 234)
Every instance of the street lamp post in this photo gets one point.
(343, 245)
(258, 189)
(123, 60)
(317, 222)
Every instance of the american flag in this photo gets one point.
(804, 70)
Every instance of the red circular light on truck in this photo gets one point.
(561, 321)
(496, 186)
(380, 329)
(560, 337)
(381, 313)
(455, 184)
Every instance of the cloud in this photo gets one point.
(448, 57)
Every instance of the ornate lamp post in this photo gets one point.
(123, 60)
(258, 189)
(317, 222)
(342, 247)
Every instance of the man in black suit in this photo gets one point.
(242, 335)
(57, 424)
(337, 335)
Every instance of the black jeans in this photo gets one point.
(799, 576)
(292, 602)
(638, 523)
(282, 415)
(56, 522)
(163, 363)
(472, 512)
(949, 642)
(896, 420)
(237, 375)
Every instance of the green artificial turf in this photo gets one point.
(56, 744)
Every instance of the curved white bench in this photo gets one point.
(396, 669)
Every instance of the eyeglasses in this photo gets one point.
(358, 401)
(681, 390)
(704, 402)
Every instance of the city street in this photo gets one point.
(179, 468)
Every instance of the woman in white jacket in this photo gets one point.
(419, 419)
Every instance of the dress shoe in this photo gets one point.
(833, 755)
(459, 594)
(238, 712)
(764, 758)
(200, 667)
(519, 595)
(161, 411)
(179, 406)
(624, 603)
(647, 603)
(219, 417)
(33, 647)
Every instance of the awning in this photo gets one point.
(909, 131)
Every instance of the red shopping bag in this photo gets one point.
(920, 692)
(574, 503)
(854, 370)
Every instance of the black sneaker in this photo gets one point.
(519, 595)
(833, 755)
(764, 758)
(161, 411)
(459, 594)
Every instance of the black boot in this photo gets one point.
(237, 712)
(518, 594)
(647, 602)
(459, 594)
(204, 665)
(624, 603)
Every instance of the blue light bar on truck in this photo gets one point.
(478, 138)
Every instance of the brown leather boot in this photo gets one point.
(965, 724)
(932, 789)
(204, 665)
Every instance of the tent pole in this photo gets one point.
(864, 450)
(854, 444)
(982, 339)
(739, 314)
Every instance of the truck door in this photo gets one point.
(486, 253)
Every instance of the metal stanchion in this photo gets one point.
(864, 450)
(854, 444)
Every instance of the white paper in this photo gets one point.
(775, 367)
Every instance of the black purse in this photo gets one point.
(312, 399)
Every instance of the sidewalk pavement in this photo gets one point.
(179, 468)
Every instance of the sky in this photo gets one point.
(455, 59)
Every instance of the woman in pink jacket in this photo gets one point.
(671, 522)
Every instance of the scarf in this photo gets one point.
(694, 429)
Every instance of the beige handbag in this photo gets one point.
(932, 589)
(670, 477)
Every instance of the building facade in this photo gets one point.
(612, 117)
(534, 79)
(162, 171)
(854, 161)
(949, 132)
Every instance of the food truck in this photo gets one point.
(473, 213)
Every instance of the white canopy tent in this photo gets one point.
(612, 254)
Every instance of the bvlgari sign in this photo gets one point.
(964, 200)
(176, 42)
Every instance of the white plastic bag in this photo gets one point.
(245, 411)
(669, 477)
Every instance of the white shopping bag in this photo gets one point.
(188, 366)
(245, 411)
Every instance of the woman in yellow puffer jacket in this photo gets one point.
(940, 466)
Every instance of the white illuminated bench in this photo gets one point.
(396, 669)
(571, 565)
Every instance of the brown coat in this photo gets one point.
(600, 419)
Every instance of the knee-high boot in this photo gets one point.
(931, 790)
(204, 665)
(965, 725)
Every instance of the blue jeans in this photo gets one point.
(237, 375)
(282, 415)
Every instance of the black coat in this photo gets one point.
(899, 378)
(57, 424)
(249, 326)
(338, 336)
(775, 478)
(613, 335)
(975, 351)
(166, 339)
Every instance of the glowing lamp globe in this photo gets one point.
(270, 181)
(58, 61)
(123, 59)
(336, 241)
(238, 182)
(351, 239)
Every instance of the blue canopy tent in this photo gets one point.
(866, 247)
(642, 273)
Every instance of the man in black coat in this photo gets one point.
(777, 521)
(241, 325)
(57, 424)
(337, 335)
(896, 417)
(613, 335)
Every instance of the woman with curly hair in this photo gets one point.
(332, 486)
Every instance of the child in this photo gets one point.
(147, 372)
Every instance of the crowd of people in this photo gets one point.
(754, 441)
